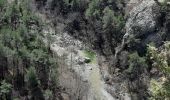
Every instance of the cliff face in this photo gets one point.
(144, 26)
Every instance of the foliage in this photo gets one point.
(75, 4)
(93, 9)
(32, 78)
(16, 99)
(48, 95)
(2, 3)
(164, 2)
(60, 5)
(53, 76)
(160, 59)
(156, 90)
(5, 89)
(23, 50)
(160, 90)
(136, 63)
(119, 22)
(111, 21)
(108, 17)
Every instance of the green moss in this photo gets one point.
(90, 54)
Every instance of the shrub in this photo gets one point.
(160, 89)
(5, 89)
(32, 78)
(136, 63)
(93, 9)
(2, 3)
(156, 90)
(108, 17)
(48, 95)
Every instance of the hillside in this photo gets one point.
(84, 49)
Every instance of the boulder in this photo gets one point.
(65, 96)
(84, 60)
(142, 22)
(142, 19)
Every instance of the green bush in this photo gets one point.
(2, 3)
(108, 17)
(160, 58)
(160, 90)
(156, 90)
(5, 89)
(136, 63)
(93, 9)
(32, 78)
(48, 95)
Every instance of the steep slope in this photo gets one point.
(84, 49)
(95, 30)
(28, 68)
(86, 82)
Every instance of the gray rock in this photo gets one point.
(142, 19)
(87, 60)
(84, 60)
(141, 23)
(65, 96)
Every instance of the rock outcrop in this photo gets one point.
(142, 25)
(141, 29)
(142, 19)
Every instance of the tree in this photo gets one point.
(21, 46)
(134, 74)
(5, 89)
(108, 17)
(136, 65)
(32, 78)
(112, 23)
(108, 26)
(36, 93)
(93, 9)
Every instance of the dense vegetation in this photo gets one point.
(160, 88)
(100, 20)
(27, 66)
